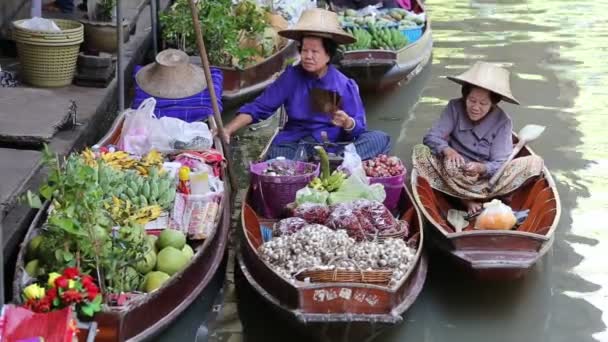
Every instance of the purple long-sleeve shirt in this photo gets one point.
(292, 89)
(489, 141)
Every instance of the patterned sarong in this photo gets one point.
(452, 181)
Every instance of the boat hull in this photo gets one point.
(495, 254)
(379, 69)
(321, 306)
(145, 319)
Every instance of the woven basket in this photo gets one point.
(337, 275)
(48, 59)
(272, 193)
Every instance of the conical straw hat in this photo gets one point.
(171, 76)
(321, 23)
(488, 76)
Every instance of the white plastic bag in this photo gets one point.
(495, 215)
(181, 135)
(40, 24)
(143, 131)
(353, 164)
(138, 129)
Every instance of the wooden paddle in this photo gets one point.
(216, 111)
(527, 134)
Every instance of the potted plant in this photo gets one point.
(100, 27)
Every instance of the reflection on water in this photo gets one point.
(557, 50)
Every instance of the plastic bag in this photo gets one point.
(143, 131)
(40, 24)
(362, 218)
(288, 226)
(312, 212)
(196, 215)
(310, 195)
(495, 215)
(353, 164)
(182, 135)
(354, 188)
(138, 128)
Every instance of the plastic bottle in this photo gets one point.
(184, 180)
(199, 183)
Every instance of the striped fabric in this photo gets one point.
(369, 144)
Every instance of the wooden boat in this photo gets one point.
(366, 307)
(242, 84)
(145, 317)
(495, 253)
(380, 69)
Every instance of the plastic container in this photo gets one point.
(412, 34)
(393, 186)
(272, 193)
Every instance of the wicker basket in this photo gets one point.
(48, 59)
(338, 275)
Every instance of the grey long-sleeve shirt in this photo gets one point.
(489, 141)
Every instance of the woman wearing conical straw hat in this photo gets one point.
(318, 33)
(471, 140)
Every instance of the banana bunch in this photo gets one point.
(330, 184)
(119, 160)
(387, 38)
(364, 39)
(155, 189)
(123, 211)
(89, 157)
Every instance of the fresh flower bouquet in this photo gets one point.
(71, 288)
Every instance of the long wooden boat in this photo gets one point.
(380, 69)
(495, 253)
(145, 317)
(364, 308)
(242, 84)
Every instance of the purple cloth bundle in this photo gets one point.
(194, 108)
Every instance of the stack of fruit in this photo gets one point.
(165, 256)
(377, 38)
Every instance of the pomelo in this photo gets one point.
(154, 280)
(188, 251)
(33, 247)
(149, 261)
(171, 237)
(171, 260)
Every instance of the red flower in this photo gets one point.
(71, 272)
(51, 294)
(44, 305)
(61, 282)
(87, 279)
(91, 295)
(71, 296)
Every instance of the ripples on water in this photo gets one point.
(557, 51)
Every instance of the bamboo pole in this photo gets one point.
(216, 111)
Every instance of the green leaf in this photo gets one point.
(46, 191)
(33, 200)
(67, 256)
(87, 310)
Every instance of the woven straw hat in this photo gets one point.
(320, 23)
(171, 76)
(488, 76)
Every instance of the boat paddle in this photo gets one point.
(527, 134)
(219, 126)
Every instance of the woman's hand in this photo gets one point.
(453, 158)
(474, 169)
(341, 119)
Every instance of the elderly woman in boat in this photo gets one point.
(472, 139)
(318, 32)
